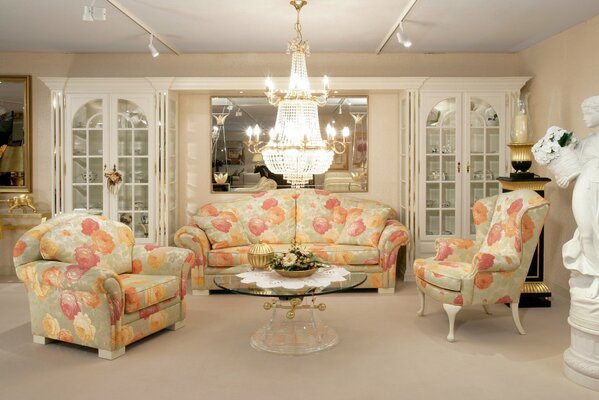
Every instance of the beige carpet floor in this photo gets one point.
(385, 352)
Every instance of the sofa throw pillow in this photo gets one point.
(222, 226)
(364, 225)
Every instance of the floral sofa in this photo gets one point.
(89, 284)
(359, 234)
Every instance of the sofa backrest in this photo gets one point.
(303, 215)
(81, 239)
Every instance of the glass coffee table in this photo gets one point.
(293, 327)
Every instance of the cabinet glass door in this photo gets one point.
(485, 151)
(87, 136)
(441, 159)
(133, 162)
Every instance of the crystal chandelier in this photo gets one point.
(295, 148)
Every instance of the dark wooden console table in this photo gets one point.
(535, 292)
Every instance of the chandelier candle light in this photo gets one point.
(295, 147)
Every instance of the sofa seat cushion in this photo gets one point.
(334, 254)
(143, 291)
(444, 274)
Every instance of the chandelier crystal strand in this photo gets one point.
(296, 149)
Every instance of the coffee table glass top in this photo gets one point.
(233, 284)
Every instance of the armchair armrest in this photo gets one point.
(394, 235)
(455, 249)
(154, 260)
(77, 289)
(193, 238)
(495, 262)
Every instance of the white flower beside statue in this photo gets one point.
(556, 150)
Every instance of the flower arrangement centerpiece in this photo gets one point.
(296, 263)
(556, 151)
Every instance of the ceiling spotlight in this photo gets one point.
(402, 38)
(92, 13)
(152, 48)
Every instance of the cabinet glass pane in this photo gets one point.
(484, 152)
(441, 168)
(433, 223)
(87, 157)
(447, 222)
(133, 151)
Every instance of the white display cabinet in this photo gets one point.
(462, 137)
(98, 130)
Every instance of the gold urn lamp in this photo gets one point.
(521, 160)
(260, 254)
(520, 145)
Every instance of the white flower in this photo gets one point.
(548, 148)
(289, 259)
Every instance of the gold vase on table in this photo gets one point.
(260, 254)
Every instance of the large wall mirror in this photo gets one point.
(236, 169)
(15, 134)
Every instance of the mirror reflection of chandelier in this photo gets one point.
(295, 148)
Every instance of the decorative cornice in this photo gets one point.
(479, 84)
(425, 84)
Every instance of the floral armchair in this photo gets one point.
(490, 269)
(89, 284)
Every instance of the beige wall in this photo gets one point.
(566, 71)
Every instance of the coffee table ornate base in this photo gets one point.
(294, 332)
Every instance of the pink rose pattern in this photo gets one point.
(89, 225)
(356, 228)
(81, 300)
(86, 256)
(257, 226)
(69, 305)
(514, 219)
(221, 224)
(321, 225)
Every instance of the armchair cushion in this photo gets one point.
(455, 249)
(364, 225)
(142, 291)
(222, 226)
(443, 274)
(89, 242)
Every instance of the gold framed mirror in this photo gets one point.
(236, 168)
(15, 134)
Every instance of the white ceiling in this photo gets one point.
(200, 26)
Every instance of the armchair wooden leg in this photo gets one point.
(420, 312)
(451, 311)
(390, 290)
(516, 317)
(111, 355)
(177, 325)
(41, 339)
(486, 308)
